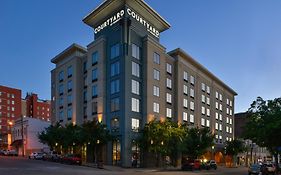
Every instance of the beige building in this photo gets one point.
(125, 78)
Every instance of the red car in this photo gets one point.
(72, 159)
(189, 164)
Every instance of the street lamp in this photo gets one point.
(213, 156)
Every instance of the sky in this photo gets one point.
(237, 40)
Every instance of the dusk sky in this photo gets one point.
(237, 40)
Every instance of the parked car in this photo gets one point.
(268, 168)
(1, 152)
(51, 156)
(12, 153)
(5, 152)
(211, 164)
(72, 159)
(189, 164)
(254, 169)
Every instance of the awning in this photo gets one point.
(17, 143)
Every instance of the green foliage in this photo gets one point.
(197, 141)
(234, 147)
(264, 123)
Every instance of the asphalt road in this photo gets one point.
(21, 166)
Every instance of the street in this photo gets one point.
(22, 166)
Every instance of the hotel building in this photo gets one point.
(126, 78)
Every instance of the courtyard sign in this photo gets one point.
(115, 18)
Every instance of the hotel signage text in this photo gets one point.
(119, 15)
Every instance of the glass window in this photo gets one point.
(169, 68)
(230, 121)
(220, 117)
(192, 80)
(192, 93)
(168, 98)
(185, 105)
(203, 98)
(192, 105)
(69, 99)
(185, 76)
(94, 108)
(136, 51)
(156, 74)
(220, 127)
(115, 69)
(208, 90)
(191, 118)
(217, 95)
(208, 112)
(61, 89)
(169, 83)
(115, 104)
(169, 112)
(202, 122)
(69, 71)
(115, 51)
(203, 87)
(227, 101)
(61, 116)
(135, 87)
(156, 107)
(135, 124)
(95, 58)
(115, 123)
(61, 76)
(184, 116)
(156, 91)
(95, 91)
(115, 86)
(69, 113)
(135, 69)
(217, 126)
(61, 101)
(220, 107)
(207, 123)
(85, 66)
(94, 74)
(85, 96)
(69, 85)
(220, 97)
(208, 101)
(156, 58)
(135, 105)
(230, 103)
(203, 110)
(230, 112)
(217, 105)
(185, 89)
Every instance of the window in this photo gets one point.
(156, 58)
(230, 112)
(135, 105)
(69, 114)
(156, 91)
(202, 122)
(217, 95)
(156, 107)
(135, 87)
(207, 123)
(191, 118)
(217, 105)
(95, 58)
(191, 92)
(94, 74)
(156, 74)
(185, 105)
(135, 124)
(69, 85)
(13, 108)
(168, 98)
(192, 80)
(185, 89)
(208, 101)
(185, 76)
(227, 101)
(94, 108)
(192, 105)
(203, 98)
(227, 129)
(208, 90)
(203, 110)
(115, 123)
(220, 127)
(69, 99)
(230, 121)
(220, 97)
(85, 96)
(115, 69)
(135, 69)
(208, 112)
(169, 68)
(184, 118)
(169, 83)
(220, 117)
(13, 96)
(85, 66)
(61, 89)
(230, 130)
(203, 87)
(230, 103)
(115, 104)
(136, 51)
(60, 101)
(115, 51)
(61, 116)
(85, 111)
(169, 112)
(220, 107)
(95, 91)
(227, 110)
(61, 76)
(69, 71)
(115, 86)
(13, 102)
(217, 126)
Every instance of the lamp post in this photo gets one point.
(213, 152)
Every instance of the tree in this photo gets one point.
(233, 148)
(197, 141)
(51, 136)
(264, 124)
